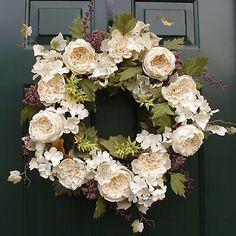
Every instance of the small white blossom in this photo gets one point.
(26, 31)
(74, 108)
(97, 159)
(216, 129)
(54, 156)
(150, 141)
(58, 42)
(14, 177)
(71, 125)
(137, 226)
(48, 69)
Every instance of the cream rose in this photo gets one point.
(52, 91)
(79, 57)
(71, 173)
(180, 92)
(187, 140)
(159, 63)
(118, 187)
(46, 126)
(151, 166)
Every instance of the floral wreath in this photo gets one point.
(118, 172)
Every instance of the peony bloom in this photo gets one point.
(116, 186)
(159, 63)
(52, 91)
(181, 92)
(46, 126)
(79, 57)
(58, 43)
(14, 177)
(71, 173)
(187, 140)
(151, 166)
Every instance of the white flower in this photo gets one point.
(33, 164)
(52, 91)
(79, 57)
(58, 42)
(74, 108)
(137, 226)
(54, 156)
(14, 177)
(46, 126)
(116, 46)
(117, 186)
(151, 166)
(71, 173)
(97, 159)
(140, 87)
(187, 139)
(71, 125)
(181, 92)
(216, 129)
(150, 141)
(39, 50)
(26, 31)
(45, 169)
(104, 67)
(159, 63)
(48, 69)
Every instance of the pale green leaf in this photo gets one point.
(27, 113)
(161, 109)
(76, 29)
(110, 144)
(161, 115)
(194, 67)
(100, 208)
(89, 88)
(124, 23)
(174, 44)
(177, 183)
(130, 72)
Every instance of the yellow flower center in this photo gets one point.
(160, 61)
(80, 55)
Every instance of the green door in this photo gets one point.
(209, 29)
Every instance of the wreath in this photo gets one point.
(118, 172)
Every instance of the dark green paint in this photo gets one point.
(34, 211)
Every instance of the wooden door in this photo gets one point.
(208, 27)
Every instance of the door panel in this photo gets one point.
(208, 27)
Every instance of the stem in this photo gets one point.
(222, 122)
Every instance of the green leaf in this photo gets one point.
(130, 72)
(100, 208)
(110, 144)
(177, 183)
(174, 44)
(194, 67)
(124, 23)
(161, 115)
(161, 109)
(76, 29)
(61, 190)
(91, 133)
(89, 88)
(156, 92)
(27, 113)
